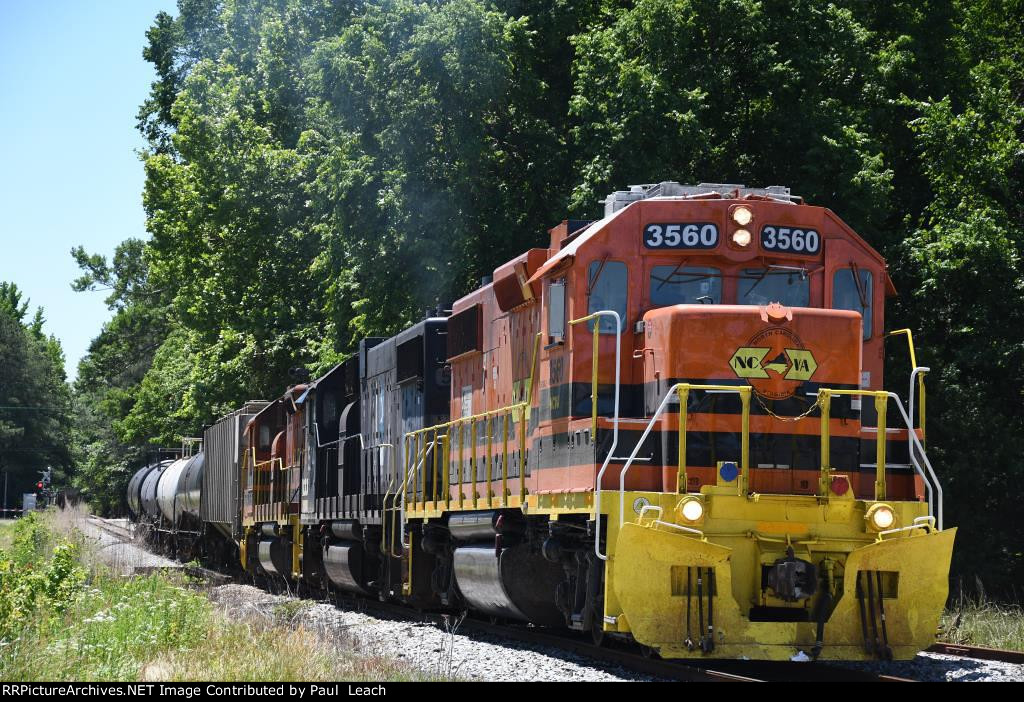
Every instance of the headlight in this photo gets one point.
(881, 517)
(691, 510)
(741, 237)
(742, 216)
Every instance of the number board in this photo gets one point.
(790, 239)
(683, 235)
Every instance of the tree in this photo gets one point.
(34, 398)
(967, 256)
(112, 370)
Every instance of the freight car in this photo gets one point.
(668, 426)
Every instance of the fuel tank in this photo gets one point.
(275, 555)
(513, 582)
(343, 563)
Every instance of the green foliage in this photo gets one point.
(749, 92)
(53, 626)
(320, 171)
(979, 621)
(967, 261)
(56, 627)
(34, 397)
(40, 578)
(111, 373)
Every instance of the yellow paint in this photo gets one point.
(747, 362)
(297, 535)
(801, 364)
(646, 571)
(781, 528)
(243, 548)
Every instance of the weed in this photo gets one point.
(978, 621)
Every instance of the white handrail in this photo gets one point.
(643, 437)
(927, 522)
(916, 443)
(615, 429)
(930, 493)
(910, 400)
(661, 512)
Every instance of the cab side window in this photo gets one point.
(556, 311)
(853, 292)
(607, 290)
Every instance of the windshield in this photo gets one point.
(671, 285)
(762, 286)
(607, 290)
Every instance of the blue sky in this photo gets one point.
(72, 78)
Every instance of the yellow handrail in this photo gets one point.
(920, 378)
(683, 395)
(744, 391)
(459, 425)
(881, 407)
(682, 483)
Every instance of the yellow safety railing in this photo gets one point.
(436, 442)
(825, 396)
(919, 372)
(270, 476)
(682, 391)
(264, 483)
(683, 394)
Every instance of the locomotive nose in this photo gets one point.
(782, 352)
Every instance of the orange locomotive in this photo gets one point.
(760, 513)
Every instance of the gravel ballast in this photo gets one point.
(476, 656)
(939, 667)
(122, 556)
(425, 646)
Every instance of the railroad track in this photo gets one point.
(709, 670)
(128, 535)
(613, 653)
(609, 654)
(986, 654)
(111, 528)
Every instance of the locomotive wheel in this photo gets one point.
(597, 632)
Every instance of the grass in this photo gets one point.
(6, 533)
(980, 622)
(63, 617)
